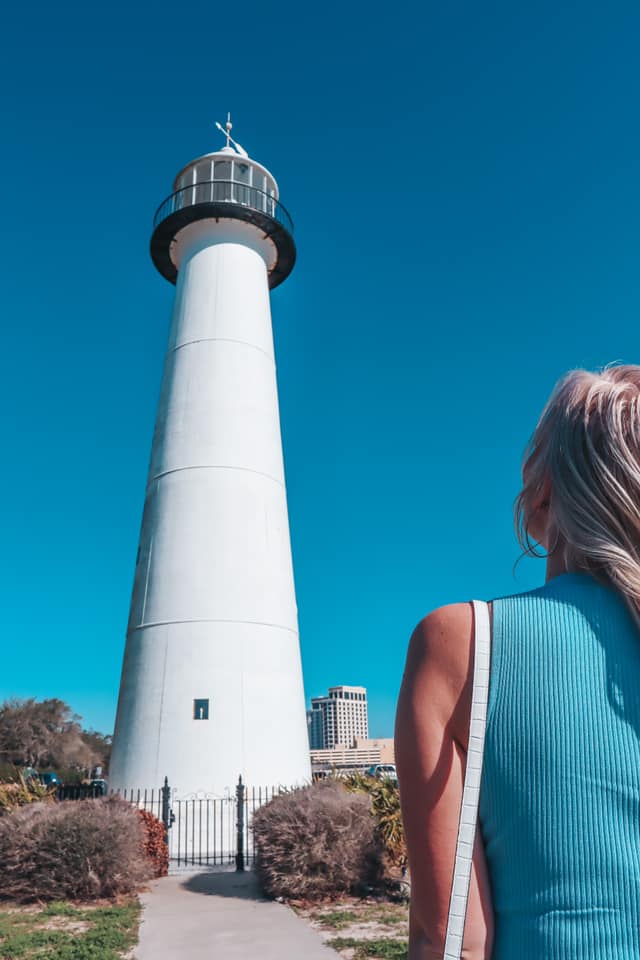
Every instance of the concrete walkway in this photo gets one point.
(204, 916)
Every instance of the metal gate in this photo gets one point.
(206, 831)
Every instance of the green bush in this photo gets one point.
(317, 843)
(23, 791)
(77, 850)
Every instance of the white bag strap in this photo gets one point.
(471, 790)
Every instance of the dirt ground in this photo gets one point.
(360, 929)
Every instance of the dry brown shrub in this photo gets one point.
(155, 844)
(385, 806)
(76, 850)
(317, 843)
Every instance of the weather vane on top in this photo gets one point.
(226, 130)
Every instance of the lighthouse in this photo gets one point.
(212, 678)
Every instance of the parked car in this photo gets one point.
(383, 771)
(49, 779)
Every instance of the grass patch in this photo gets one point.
(60, 909)
(337, 919)
(61, 931)
(390, 916)
(385, 949)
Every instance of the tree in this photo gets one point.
(48, 733)
(100, 744)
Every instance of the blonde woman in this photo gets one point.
(556, 871)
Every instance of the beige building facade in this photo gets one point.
(361, 754)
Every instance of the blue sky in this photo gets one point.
(464, 183)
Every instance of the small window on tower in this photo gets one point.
(200, 709)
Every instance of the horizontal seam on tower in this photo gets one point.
(214, 466)
(253, 623)
(245, 343)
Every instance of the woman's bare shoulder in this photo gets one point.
(440, 657)
(444, 635)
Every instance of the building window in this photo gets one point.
(200, 709)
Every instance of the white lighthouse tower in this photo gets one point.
(212, 680)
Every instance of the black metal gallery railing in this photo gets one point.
(224, 191)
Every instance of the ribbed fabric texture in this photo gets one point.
(560, 792)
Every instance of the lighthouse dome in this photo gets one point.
(241, 177)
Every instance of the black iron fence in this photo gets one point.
(202, 831)
(80, 791)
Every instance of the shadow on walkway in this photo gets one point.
(241, 886)
(229, 921)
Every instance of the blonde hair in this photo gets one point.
(587, 443)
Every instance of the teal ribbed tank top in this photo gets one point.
(560, 791)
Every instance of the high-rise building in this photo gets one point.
(315, 727)
(212, 679)
(339, 718)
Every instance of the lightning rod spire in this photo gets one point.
(226, 130)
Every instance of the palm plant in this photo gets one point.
(385, 807)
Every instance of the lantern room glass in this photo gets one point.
(226, 180)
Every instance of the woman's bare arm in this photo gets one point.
(432, 724)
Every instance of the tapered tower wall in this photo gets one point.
(213, 613)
